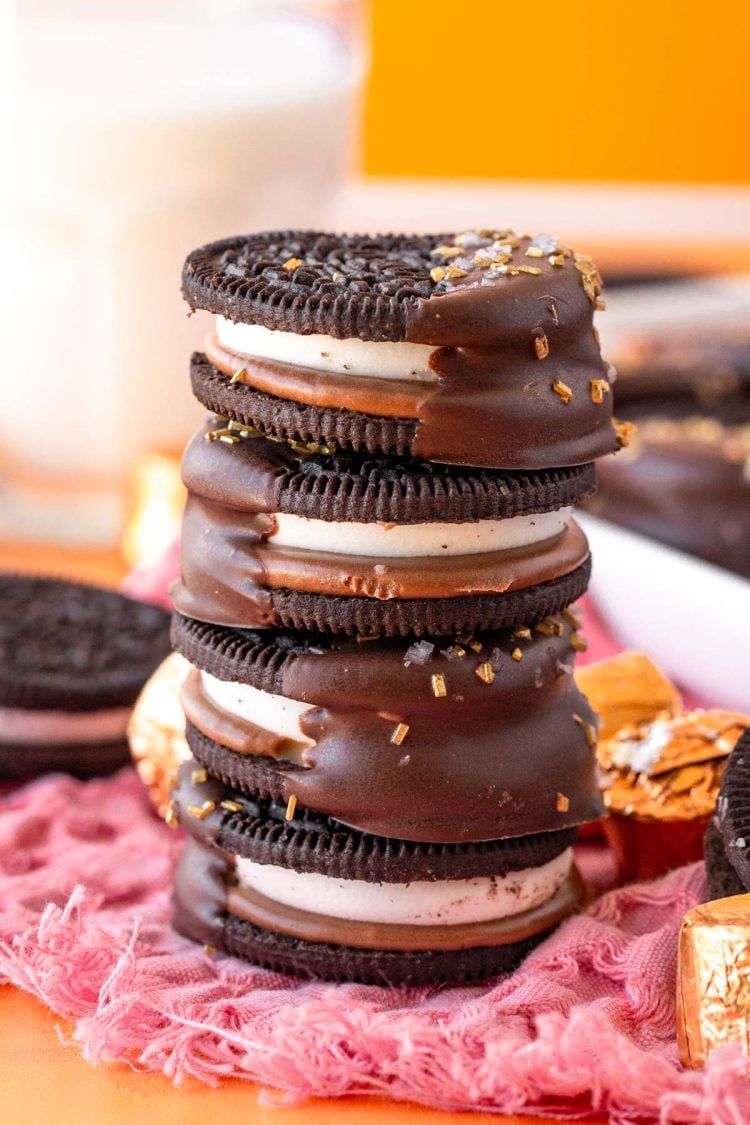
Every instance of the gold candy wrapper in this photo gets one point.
(660, 782)
(157, 730)
(713, 979)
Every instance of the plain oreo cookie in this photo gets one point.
(728, 836)
(71, 654)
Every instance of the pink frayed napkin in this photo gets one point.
(586, 1024)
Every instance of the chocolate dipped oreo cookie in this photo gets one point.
(474, 348)
(301, 893)
(728, 835)
(479, 738)
(684, 481)
(73, 659)
(276, 535)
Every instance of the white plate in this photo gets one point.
(691, 617)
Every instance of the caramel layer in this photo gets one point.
(237, 734)
(392, 398)
(253, 907)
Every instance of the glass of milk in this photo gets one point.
(137, 130)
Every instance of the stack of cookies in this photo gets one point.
(391, 757)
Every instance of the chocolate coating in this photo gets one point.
(685, 484)
(503, 338)
(231, 569)
(486, 761)
(258, 475)
(258, 829)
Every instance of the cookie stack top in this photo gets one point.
(476, 348)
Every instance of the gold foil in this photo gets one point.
(713, 979)
(157, 730)
(669, 768)
(627, 688)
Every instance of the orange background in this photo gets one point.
(652, 90)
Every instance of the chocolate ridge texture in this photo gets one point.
(254, 474)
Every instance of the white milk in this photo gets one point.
(139, 131)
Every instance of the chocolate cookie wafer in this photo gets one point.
(279, 535)
(473, 348)
(728, 836)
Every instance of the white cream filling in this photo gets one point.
(447, 902)
(383, 359)
(416, 540)
(29, 728)
(275, 713)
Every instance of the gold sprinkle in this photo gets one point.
(209, 950)
(453, 271)
(290, 808)
(170, 816)
(475, 646)
(529, 269)
(541, 346)
(523, 633)
(563, 390)
(230, 439)
(562, 803)
(200, 812)
(446, 252)
(437, 274)
(624, 431)
(463, 638)
(549, 627)
(217, 435)
(366, 638)
(292, 264)
(517, 654)
(231, 806)
(599, 388)
(600, 304)
(199, 777)
(399, 733)
(589, 730)
(556, 259)
(572, 618)
(534, 252)
(439, 690)
(578, 642)
(485, 672)
(239, 375)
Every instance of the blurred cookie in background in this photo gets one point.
(682, 352)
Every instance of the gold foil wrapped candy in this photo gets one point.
(157, 730)
(660, 783)
(713, 978)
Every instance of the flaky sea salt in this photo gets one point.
(418, 653)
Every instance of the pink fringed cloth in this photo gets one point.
(585, 1026)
